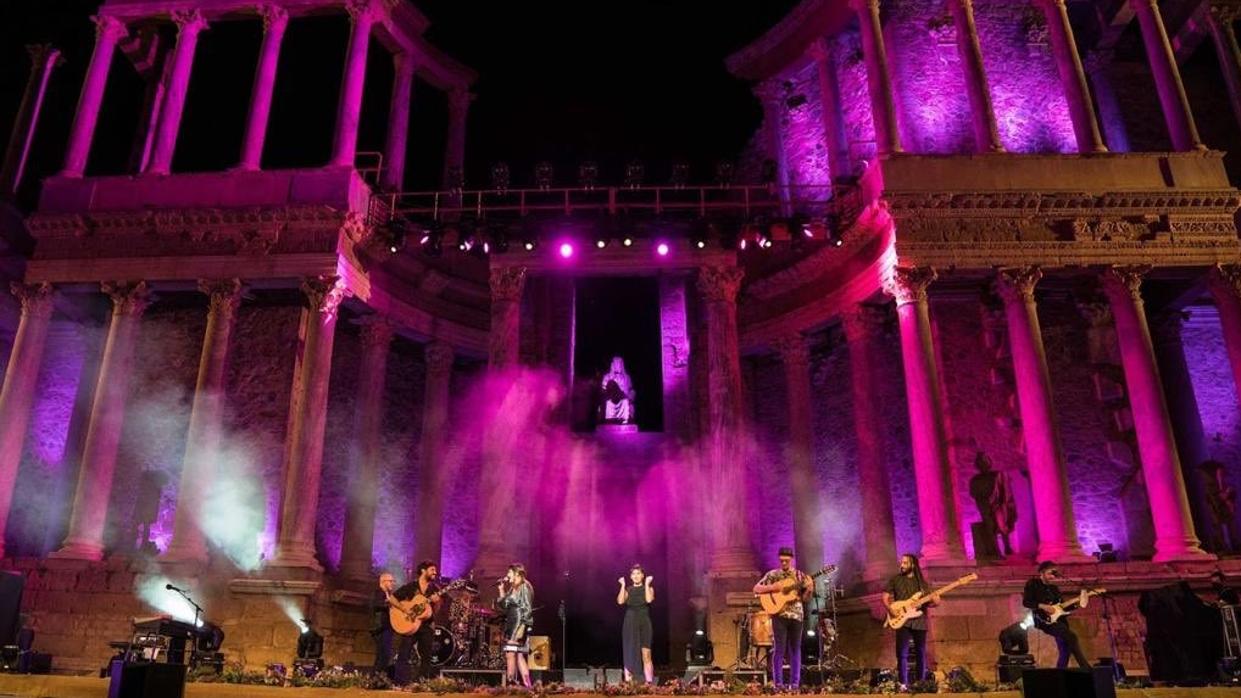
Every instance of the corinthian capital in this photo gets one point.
(189, 21)
(1016, 284)
(1125, 281)
(274, 17)
(720, 284)
(107, 26)
(324, 294)
(909, 284)
(128, 297)
(223, 296)
(36, 299)
(507, 283)
(360, 10)
(1225, 279)
(864, 5)
(439, 356)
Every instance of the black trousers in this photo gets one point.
(905, 636)
(1066, 643)
(398, 670)
(423, 639)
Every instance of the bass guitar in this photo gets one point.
(905, 610)
(407, 616)
(1064, 608)
(790, 590)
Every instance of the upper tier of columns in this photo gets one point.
(364, 16)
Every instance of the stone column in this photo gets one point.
(1049, 481)
(1176, 111)
(863, 327)
(359, 536)
(1072, 77)
(878, 78)
(833, 118)
(459, 100)
(393, 177)
(731, 549)
(1225, 285)
(108, 31)
(1219, 18)
(807, 527)
(1111, 115)
(771, 94)
(275, 21)
(428, 539)
(986, 135)
(349, 109)
(303, 444)
(503, 341)
(103, 435)
(43, 59)
(1161, 466)
(20, 380)
(937, 512)
(202, 439)
(189, 24)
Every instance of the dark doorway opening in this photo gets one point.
(618, 317)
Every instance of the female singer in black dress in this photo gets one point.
(636, 596)
(516, 599)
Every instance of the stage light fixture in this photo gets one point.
(1106, 553)
(635, 172)
(500, 176)
(627, 241)
(680, 174)
(498, 239)
(544, 173)
(566, 250)
(662, 249)
(529, 245)
(454, 178)
(587, 174)
(601, 243)
(724, 173)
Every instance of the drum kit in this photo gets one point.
(465, 633)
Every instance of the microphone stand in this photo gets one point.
(564, 630)
(198, 612)
(1106, 615)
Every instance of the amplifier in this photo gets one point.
(146, 680)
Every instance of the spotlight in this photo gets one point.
(543, 175)
(587, 174)
(529, 244)
(500, 176)
(1014, 639)
(627, 241)
(1107, 552)
(662, 249)
(702, 234)
(309, 643)
(699, 651)
(724, 172)
(635, 172)
(566, 250)
(395, 234)
(680, 174)
(601, 243)
(433, 242)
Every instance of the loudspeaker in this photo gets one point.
(134, 680)
(579, 678)
(540, 653)
(1009, 668)
(1068, 683)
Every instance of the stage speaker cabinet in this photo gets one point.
(1068, 683)
(146, 680)
(579, 678)
(540, 653)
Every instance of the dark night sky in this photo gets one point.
(561, 81)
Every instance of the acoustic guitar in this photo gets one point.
(906, 610)
(790, 590)
(1064, 608)
(407, 616)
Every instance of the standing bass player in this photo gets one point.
(908, 583)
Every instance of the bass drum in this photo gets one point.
(443, 646)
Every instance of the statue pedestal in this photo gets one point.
(617, 429)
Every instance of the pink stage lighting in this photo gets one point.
(566, 250)
(662, 249)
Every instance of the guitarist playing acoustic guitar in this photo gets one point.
(1043, 597)
(787, 624)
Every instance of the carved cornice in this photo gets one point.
(376, 331)
(507, 283)
(1124, 281)
(128, 297)
(224, 295)
(909, 284)
(324, 294)
(720, 284)
(439, 357)
(1069, 203)
(1016, 284)
(37, 299)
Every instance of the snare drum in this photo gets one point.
(761, 634)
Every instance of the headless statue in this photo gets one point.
(617, 394)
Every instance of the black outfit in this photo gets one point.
(386, 637)
(1039, 592)
(902, 587)
(1226, 595)
(424, 637)
(636, 633)
(518, 607)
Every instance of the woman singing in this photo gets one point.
(636, 596)
(516, 599)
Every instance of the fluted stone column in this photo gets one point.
(103, 435)
(833, 117)
(275, 21)
(1172, 97)
(1225, 285)
(428, 539)
(863, 327)
(393, 176)
(1049, 480)
(1220, 17)
(878, 77)
(731, 548)
(507, 284)
(986, 134)
(202, 439)
(771, 94)
(362, 17)
(189, 24)
(1174, 529)
(807, 504)
(108, 31)
(459, 100)
(43, 60)
(20, 380)
(1072, 77)
(303, 444)
(357, 545)
(937, 512)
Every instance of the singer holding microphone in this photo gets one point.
(636, 595)
(1042, 597)
(516, 600)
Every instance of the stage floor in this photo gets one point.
(91, 687)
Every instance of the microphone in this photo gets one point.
(170, 587)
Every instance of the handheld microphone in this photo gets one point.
(170, 587)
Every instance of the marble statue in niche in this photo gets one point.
(993, 495)
(618, 394)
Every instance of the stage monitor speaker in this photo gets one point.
(146, 680)
(1068, 683)
(11, 585)
(579, 678)
(1010, 667)
(540, 653)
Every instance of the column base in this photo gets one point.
(295, 557)
(942, 555)
(1063, 553)
(186, 553)
(1180, 552)
(77, 550)
(357, 573)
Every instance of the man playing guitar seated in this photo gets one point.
(1043, 597)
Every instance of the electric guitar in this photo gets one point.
(905, 610)
(790, 590)
(1064, 608)
(407, 616)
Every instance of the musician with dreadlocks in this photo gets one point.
(908, 582)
